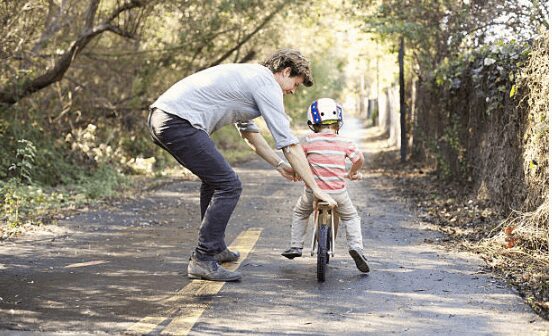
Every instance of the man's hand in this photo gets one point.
(320, 195)
(287, 172)
(354, 175)
(259, 145)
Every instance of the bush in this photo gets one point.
(104, 182)
(25, 204)
(30, 204)
(229, 141)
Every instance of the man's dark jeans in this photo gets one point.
(220, 187)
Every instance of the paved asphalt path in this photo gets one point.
(121, 270)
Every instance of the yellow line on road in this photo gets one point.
(88, 263)
(187, 309)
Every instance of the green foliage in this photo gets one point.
(436, 30)
(10, 202)
(42, 171)
(96, 114)
(456, 145)
(232, 146)
(32, 154)
(374, 116)
(489, 110)
(25, 165)
(443, 166)
(329, 81)
(420, 23)
(484, 78)
(138, 145)
(493, 69)
(199, 34)
(23, 204)
(104, 182)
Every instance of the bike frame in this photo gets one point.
(324, 215)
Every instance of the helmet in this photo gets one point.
(324, 111)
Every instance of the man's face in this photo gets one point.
(287, 83)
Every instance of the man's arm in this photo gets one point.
(260, 146)
(296, 157)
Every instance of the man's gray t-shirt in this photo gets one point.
(230, 93)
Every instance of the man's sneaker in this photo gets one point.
(210, 270)
(360, 260)
(293, 252)
(227, 256)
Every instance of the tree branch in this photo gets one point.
(126, 7)
(247, 57)
(13, 93)
(91, 14)
(53, 25)
(248, 36)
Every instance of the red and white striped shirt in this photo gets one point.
(326, 153)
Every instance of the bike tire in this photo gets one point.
(328, 246)
(322, 258)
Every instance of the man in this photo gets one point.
(183, 117)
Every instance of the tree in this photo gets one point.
(435, 30)
(61, 20)
(70, 63)
(404, 142)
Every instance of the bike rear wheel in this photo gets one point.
(323, 256)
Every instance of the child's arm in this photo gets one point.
(354, 173)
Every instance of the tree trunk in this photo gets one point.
(404, 140)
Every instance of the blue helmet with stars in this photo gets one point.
(324, 111)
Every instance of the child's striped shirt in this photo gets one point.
(326, 153)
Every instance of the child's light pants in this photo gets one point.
(347, 215)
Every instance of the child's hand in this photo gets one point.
(354, 176)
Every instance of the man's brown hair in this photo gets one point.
(293, 59)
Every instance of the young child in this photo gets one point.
(326, 152)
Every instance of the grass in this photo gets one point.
(25, 204)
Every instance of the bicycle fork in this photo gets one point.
(324, 215)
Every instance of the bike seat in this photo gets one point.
(322, 204)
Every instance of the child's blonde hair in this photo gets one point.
(318, 127)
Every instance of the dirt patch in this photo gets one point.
(511, 252)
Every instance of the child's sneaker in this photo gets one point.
(360, 260)
(293, 252)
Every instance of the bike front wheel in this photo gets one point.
(323, 256)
